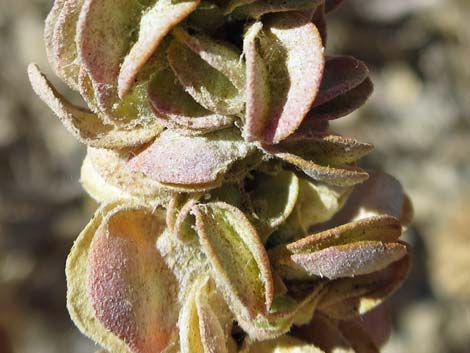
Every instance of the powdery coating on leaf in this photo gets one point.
(350, 260)
(291, 49)
(78, 302)
(322, 148)
(220, 55)
(87, 127)
(238, 258)
(208, 86)
(64, 47)
(341, 74)
(380, 228)
(177, 109)
(103, 36)
(155, 24)
(49, 28)
(110, 166)
(131, 289)
(183, 160)
(339, 175)
(343, 104)
(351, 297)
(200, 328)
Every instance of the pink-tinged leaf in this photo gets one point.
(87, 127)
(381, 195)
(283, 344)
(222, 56)
(290, 48)
(343, 104)
(330, 5)
(259, 8)
(177, 109)
(145, 318)
(103, 37)
(258, 91)
(64, 47)
(322, 148)
(199, 161)
(338, 175)
(347, 298)
(49, 29)
(341, 75)
(155, 24)
(238, 258)
(380, 228)
(201, 329)
(109, 168)
(208, 86)
(350, 260)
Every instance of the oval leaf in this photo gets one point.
(238, 258)
(291, 50)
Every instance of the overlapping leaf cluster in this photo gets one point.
(231, 218)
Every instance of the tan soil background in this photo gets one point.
(418, 119)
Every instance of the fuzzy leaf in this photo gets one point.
(155, 24)
(322, 148)
(63, 46)
(101, 297)
(195, 162)
(87, 127)
(280, 95)
(109, 169)
(350, 297)
(238, 258)
(349, 260)
(380, 228)
(208, 86)
(178, 110)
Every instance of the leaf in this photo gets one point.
(208, 86)
(108, 168)
(178, 109)
(380, 228)
(341, 75)
(49, 28)
(280, 95)
(332, 4)
(200, 328)
(322, 148)
(198, 162)
(238, 258)
(87, 127)
(350, 297)
(349, 260)
(102, 274)
(274, 196)
(343, 104)
(155, 24)
(63, 46)
(339, 175)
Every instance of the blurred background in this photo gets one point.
(418, 119)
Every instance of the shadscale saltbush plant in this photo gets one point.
(231, 218)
